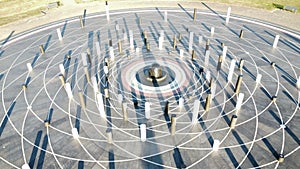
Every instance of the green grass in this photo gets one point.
(13, 10)
(264, 4)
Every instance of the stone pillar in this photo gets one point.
(107, 11)
(239, 101)
(29, 67)
(166, 16)
(228, 15)
(212, 31)
(100, 105)
(181, 102)
(143, 132)
(207, 102)
(68, 90)
(258, 78)
(109, 137)
(195, 14)
(233, 121)
(173, 124)
(238, 84)
(276, 41)
(81, 99)
(216, 145)
(75, 133)
(241, 64)
(147, 110)
(195, 111)
(59, 34)
(81, 22)
(125, 112)
(241, 34)
(42, 50)
(231, 70)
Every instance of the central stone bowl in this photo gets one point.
(156, 73)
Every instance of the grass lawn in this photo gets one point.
(12, 10)
(265, 4)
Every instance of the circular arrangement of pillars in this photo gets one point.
(71, 96)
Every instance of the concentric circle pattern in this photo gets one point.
(85, 101)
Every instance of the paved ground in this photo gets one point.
(265, 127)
(70, 9)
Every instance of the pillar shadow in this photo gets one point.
(1, 52)
(232, 158)
(109, 38)
(249, 72)
(271, 148)
(140, 114)
(77, 121)
(266, 92)
(35, 148)
(263, 58)
(80, 164)
(172, 27)
(84, 17)
(275, 116)
(67, 62)
(156, 31)
(292, 134)
(108, 113)
(185, 10)
(138, 24)
(90, 43)
(126, 26)
(153, 148)
(290, 97)
(245, 149)
(74, 73)
(204, 128)
(162, 104)
(64, 29)
(256, 34)
(7, 116)
(111, 158)
(153, 35)
(43, 153)
(35, 59)
(120, 84)
(288, 80)
(291, 45)
(49, 115)
(47, 42)
(98, 37)
(205, 26)
(96, 65)
(8, 37)
(213, 11)
(178, 159)
(231, 30)
(291, 78)
(27, 81)
(159, 12)
(287, 43)
(223, 113)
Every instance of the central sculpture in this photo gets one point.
(156, 73)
